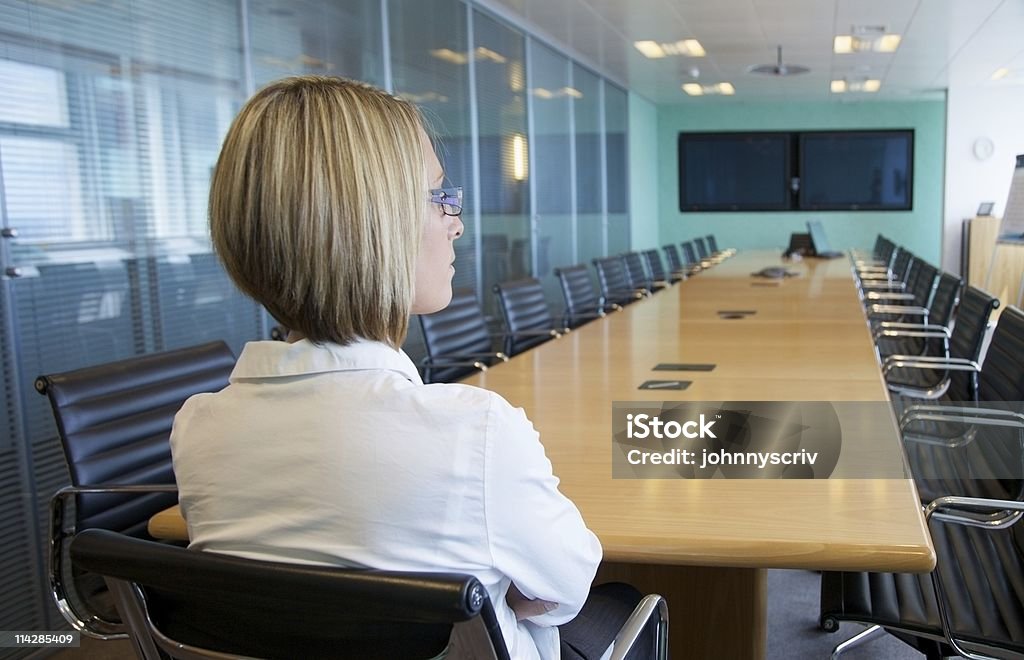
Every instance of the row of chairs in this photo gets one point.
(458, 341)
(958, 406)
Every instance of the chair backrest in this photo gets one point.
(702, 248)
(578, 290)
(945, 300)
(636, 275)
(655, 266)
(611, 276)
(689, 253)
(114, 422)
(901, 266)
(526, 314)
(976, 307)
(1002, 374)
(217, 603)
(672, 254)
(712, 243)
(457, 330)
(923, 286)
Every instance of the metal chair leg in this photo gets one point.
(863, 636)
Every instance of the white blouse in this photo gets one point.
(340, 455)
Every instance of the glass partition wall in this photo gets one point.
(111, 119)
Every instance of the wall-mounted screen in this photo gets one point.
(856, 170)
(734, 171)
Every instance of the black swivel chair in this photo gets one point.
(457, 340)
(675, 264)
(712, 243)
(528, 320)
(693, 262)
(941, 314)
(657, 269)
(582, 303)
(187, 604)
(636, 274)
(952, 375)
(114, 421)
(702, 248)
(615, 286)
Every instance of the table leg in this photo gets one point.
(714, 612)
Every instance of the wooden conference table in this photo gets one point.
(705, 543)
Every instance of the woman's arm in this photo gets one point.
(536, 535)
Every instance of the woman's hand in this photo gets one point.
(524, 607)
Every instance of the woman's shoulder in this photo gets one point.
(456, 397)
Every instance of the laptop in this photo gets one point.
(820, 243)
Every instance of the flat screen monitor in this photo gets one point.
(734, 172)
(856, 170)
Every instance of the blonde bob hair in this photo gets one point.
(317, 204)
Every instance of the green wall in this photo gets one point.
(919, 229)
(643, 173)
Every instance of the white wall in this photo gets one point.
(995, 112)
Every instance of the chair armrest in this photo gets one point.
(924, 334)
(536, 333)
(629, 633)
(889, 295)
(928, 362)
(61, 530)
(910, 310)
(963, 415)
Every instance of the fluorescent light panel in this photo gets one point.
(1000, 73)
(844, 44)
(869, 85)
(685, 47)
(722, 89)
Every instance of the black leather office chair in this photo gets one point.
(615, 286)
(657, 269)
(114, 421)
(888, 279)
(528, 320)
(910, 305)
(971, 457)
(971, 603)
(675, 264)
(951, 375)
(637, 276)
(189, 604)
(712, 243)
(941, 314)
(457, 340)
(582, 303)
(702, 248)
(693, 262)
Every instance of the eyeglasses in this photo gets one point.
(449, 199)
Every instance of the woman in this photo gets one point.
(327, 206)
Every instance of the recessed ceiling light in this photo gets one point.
(655, 50)
(650, 49)
(872, 85)
(838, 86)
(844, 44)
(1000, 73)
(722, 88)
